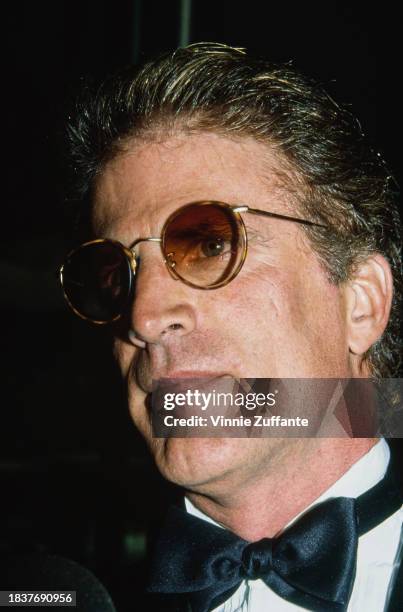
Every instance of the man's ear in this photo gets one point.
(369, 298)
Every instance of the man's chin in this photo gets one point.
(194, 463)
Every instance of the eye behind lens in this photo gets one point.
(213, 247)
(207, 242)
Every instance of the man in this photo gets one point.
(154, 151)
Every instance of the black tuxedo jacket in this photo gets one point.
(394, 602)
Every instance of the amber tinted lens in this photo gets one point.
(204, 244)
(97, 280)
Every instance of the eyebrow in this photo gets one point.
(202, 229)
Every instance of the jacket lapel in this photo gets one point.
(395, 601)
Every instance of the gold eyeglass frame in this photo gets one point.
(129, 252)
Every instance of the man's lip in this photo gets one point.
(191, 374)
(145, 382)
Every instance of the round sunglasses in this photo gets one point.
(203, 244)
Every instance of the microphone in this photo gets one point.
(37, 572)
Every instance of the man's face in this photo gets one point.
(280, 317)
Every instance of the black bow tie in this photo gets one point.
(311, 564)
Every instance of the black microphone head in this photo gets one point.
(36, 572)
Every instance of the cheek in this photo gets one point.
(257, 301)
(124, 354)
(322, 308)
(285, 324)
(314, 329)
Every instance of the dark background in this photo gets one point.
(75, 477)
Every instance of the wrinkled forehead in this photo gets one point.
(150, 179)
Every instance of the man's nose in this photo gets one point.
(161, 306)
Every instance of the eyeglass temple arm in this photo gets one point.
(264, 213)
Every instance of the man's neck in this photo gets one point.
(263, 507)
